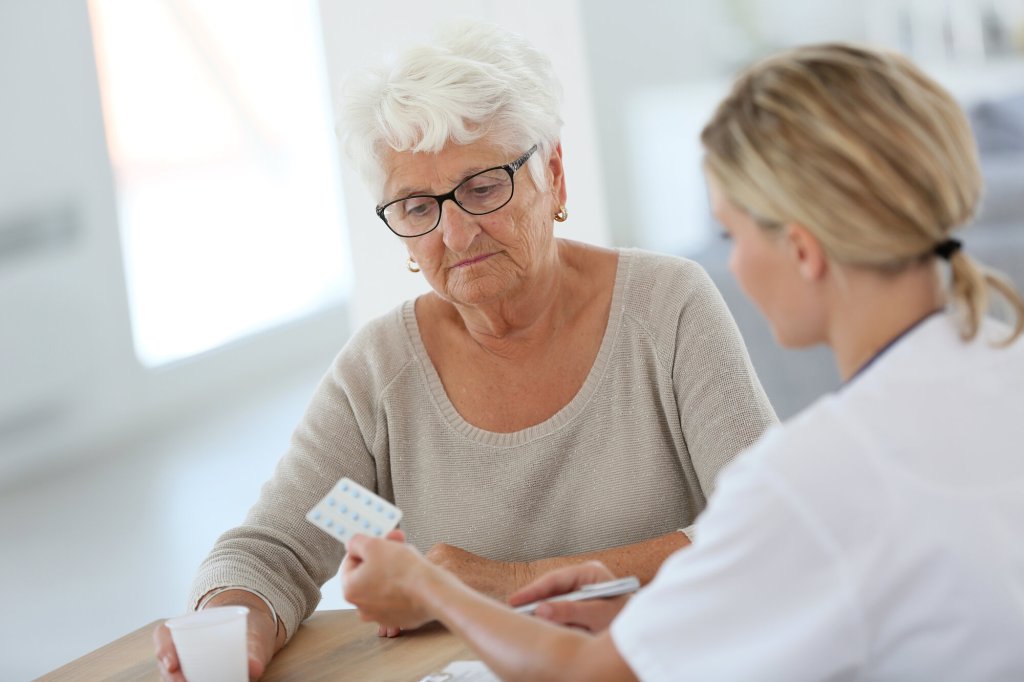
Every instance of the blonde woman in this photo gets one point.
(876, 535)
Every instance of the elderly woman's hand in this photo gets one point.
(378, 576)
(494, 578)
(262, 639)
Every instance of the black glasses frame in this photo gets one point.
(509, 168)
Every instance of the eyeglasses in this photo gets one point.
(479, 194)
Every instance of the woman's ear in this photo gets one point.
(807, 251)
(557, 174)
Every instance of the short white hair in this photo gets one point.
(474, 81)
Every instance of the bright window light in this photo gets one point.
(219, 131)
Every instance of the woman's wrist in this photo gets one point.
(258, 605)
(426, 588)
(529, 571)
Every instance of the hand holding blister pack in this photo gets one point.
(350, 509)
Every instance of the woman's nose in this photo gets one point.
(458, 228)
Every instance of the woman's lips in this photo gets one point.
(472, 261)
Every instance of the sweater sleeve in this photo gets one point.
(722, 407)
(275, 551)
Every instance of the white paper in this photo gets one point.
(463, 671)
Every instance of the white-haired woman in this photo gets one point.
(547, 403)
(878, 534)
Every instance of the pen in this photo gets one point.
(612, 588)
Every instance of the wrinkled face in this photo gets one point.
(767, 269)
(476, 259)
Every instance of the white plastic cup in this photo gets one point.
(211, 644)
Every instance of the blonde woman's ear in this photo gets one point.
(812, 263)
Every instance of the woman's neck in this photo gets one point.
(871, 310)
(530, 315)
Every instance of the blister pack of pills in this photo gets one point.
(350, 509)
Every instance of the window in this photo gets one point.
(220, 135)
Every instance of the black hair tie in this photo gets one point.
(946, 249)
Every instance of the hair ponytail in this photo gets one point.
(971, 285)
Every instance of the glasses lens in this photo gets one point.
(485, 192)
(412, 216)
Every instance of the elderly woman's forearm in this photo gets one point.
(642, 559)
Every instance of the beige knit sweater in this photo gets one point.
(671, 398)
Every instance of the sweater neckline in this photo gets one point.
(563, 416)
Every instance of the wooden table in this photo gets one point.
(330, 645)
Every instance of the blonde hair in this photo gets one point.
(865, 151)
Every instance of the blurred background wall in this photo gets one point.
(659, 68)
(183, 249)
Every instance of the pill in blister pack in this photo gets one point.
(350, 509)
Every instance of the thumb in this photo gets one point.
(259, 655)
(550, 584)
(164, 648)
(561, 612)
(261, 640)
(256, 666)
(560, 581)
(593, 615)
(398, 535)
(356, 546)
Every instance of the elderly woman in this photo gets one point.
(875, 536)
(548, 402)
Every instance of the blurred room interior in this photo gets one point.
(183, 249)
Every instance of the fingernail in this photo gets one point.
(166, 663)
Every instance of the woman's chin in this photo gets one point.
(793, 339)
(477, 290)
(477, 284)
